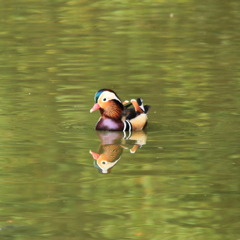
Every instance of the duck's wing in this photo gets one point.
(130, 113)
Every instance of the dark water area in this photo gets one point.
(178, 179)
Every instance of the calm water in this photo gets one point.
(180, 179)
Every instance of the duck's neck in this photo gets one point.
(113, 111)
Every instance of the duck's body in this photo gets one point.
(117, 117)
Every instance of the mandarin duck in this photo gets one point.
(115, 114)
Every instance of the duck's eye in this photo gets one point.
(104, 162)
(104, 99)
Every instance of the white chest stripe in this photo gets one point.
(124, 127)
(127, 126)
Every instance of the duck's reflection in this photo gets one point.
(112, 146)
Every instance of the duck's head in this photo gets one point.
(108, 103)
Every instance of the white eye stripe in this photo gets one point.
(106, 96)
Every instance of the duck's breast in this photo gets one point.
(109, 124)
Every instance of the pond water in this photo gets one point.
(179, 179)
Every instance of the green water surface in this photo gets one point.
(183, 181)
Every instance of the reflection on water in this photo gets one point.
(181, 57)
(112, 145)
